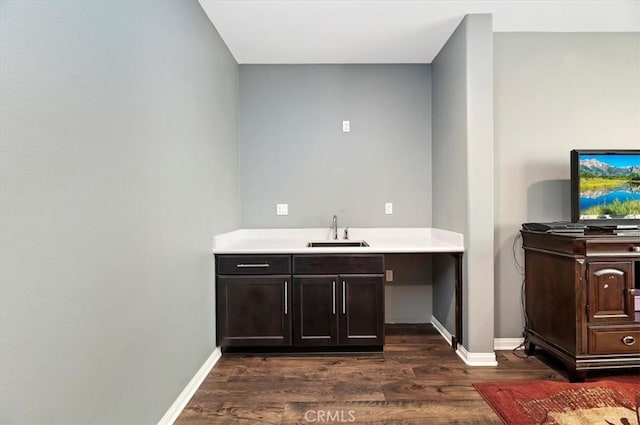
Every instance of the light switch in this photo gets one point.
(388, 208)
(282, 209)
(346, 127)
(389, 275)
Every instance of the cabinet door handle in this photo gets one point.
(248, 266)
(628, 340)
(344, 299)
(334, 297)
(631, 291)
(286, 309)
(609, 271)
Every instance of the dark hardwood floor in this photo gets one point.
(417, 380)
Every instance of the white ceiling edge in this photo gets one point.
(384, 31)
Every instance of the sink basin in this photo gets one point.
(336, 243)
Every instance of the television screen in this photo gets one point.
(605, 185)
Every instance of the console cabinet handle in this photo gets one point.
(628, 340)
(609, 271)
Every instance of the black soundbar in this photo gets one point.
(571, 227)
(555, 226)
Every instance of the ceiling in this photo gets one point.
(383, 31)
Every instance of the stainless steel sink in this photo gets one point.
(337, 243)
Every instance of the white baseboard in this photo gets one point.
(176, 408)
(506, 343)
(476, 359)
(471, 359)
(440, 328)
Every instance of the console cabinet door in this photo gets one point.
(315, 310)
(609, 295)
(254, 310)
(361, 309)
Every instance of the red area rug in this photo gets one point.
(609, 401)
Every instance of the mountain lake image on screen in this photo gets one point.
(609, 185)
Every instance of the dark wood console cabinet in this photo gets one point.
(324, 300)
(579, 299)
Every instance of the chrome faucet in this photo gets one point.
(335, 226)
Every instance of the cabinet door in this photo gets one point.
(254, 310)
(361, 310)
(315, 309)
(609, 295)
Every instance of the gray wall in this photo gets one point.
(553, 93)
(449, 155)
(408, 299)
(293, 150)
(119, 163)
(463, 172)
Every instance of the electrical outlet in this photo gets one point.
(388, 208)
(346, 127)
(389, 275)
(282, 209)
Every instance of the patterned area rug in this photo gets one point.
(609, 401)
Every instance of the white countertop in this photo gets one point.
(380, 240)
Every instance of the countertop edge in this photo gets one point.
(381, 241)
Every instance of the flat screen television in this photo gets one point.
(605, 186)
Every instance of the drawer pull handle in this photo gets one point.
(636, 249)
(286, 301)
(628, 340)
(334, 297)
(248, 266)
(344, 298)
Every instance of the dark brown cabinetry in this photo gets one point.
(338, 300)
(332, 300)
(253, 300)
(316, 313)
(580, 299)
(338, 310)
(362, 319)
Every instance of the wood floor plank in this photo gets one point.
(426, 389)
(231, 413)
(476, 374)
(329, 368)
(273, 390)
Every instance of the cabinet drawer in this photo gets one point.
(338, 264)
(614, 340)
(630, 248)
(253, 264)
